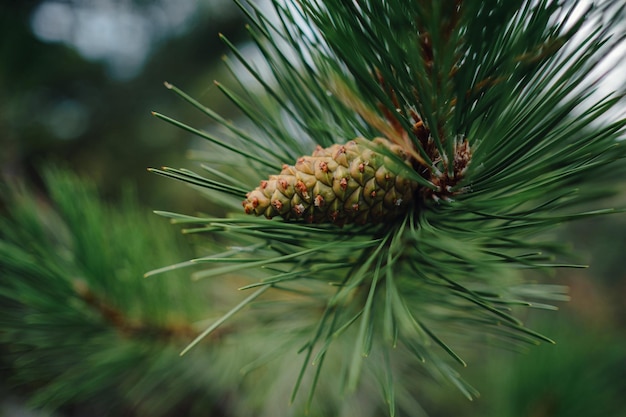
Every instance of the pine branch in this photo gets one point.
(489, 125)
(73, 305)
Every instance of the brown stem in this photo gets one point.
(129, 327)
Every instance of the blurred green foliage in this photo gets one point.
(79, 327)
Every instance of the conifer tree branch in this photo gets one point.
(451, 138)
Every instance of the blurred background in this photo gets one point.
(78, 80)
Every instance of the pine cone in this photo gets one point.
(349, 183)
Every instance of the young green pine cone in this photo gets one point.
(349, 183)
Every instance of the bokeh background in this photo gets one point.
(78, 80)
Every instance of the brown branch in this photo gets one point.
(126, 326)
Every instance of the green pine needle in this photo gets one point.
(224, 318)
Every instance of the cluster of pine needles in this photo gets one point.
(495, 106)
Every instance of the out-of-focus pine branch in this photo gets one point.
(79, 329)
